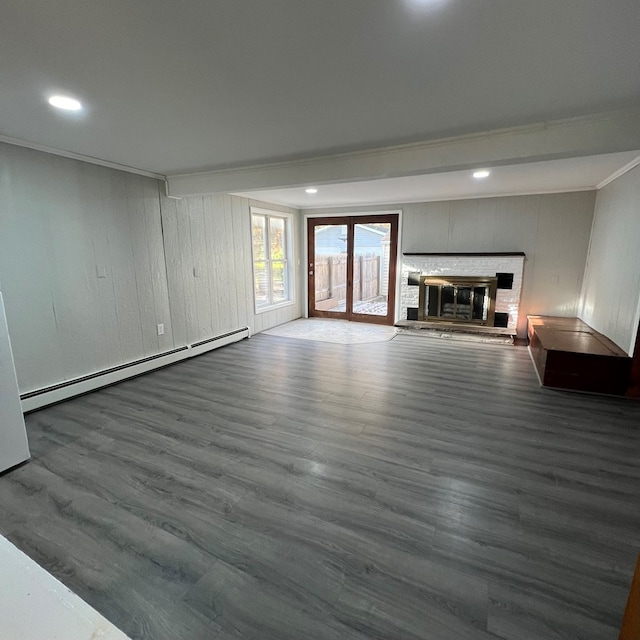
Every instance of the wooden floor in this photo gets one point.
(285, 489)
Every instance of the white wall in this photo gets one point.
(83, 270)
(611, 291)
(553, 230)
(212, 234)
(63, 223)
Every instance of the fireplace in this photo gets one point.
(458, 299)
(480, 290)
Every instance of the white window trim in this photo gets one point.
(289, 260)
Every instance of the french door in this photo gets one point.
(352, 267)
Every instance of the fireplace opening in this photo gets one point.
(462, 299)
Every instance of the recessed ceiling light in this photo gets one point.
(428, 4)
(311, 190)
(65, 102)
(482, 173)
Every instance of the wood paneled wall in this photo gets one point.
(611, 292)
(209, 266)
(93, 259)
(81, 266)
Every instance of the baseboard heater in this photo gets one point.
(39, 398)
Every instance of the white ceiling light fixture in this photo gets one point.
(481, 174)
(65, 103)
(426, 4)
(311, 191)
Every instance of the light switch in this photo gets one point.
(101, 271)
(161, 329)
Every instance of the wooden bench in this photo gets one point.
(569, 354)
(631, 621)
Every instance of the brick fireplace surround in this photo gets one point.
(464, 264)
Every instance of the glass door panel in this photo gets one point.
(463, 303)
(352, 266)
(457, 299)
(480, 303)
(330, 268)
(447, 300)
(371, 253)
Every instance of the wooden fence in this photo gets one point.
(331, 277)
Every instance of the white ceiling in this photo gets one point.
(570, 174)
(172, 87)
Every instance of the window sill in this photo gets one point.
(273, 307)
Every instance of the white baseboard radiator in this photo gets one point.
(77, 386)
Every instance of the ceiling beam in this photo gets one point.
(570, 137)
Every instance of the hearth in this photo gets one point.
(459, 299)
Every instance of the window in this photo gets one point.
(272, 252)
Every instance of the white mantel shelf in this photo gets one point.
(467, 254)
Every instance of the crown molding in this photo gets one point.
(620, 172)
(78, 156)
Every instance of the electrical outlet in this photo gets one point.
(161, 329)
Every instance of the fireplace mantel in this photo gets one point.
(454, 254)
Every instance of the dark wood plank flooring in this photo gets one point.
(285, 489)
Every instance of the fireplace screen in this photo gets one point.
(458, 299)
